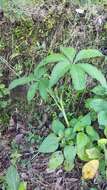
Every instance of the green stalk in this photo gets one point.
(56, 102)
(60, 105)
(63, 112)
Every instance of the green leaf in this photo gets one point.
(68, 165)
(68, 133)
(32, 91)
(97, 104)
(50, 144)
(57, 126)
(23, 186)
(21, 81)
(12, 178)
(94, 73)
(56, 160)
(70, 152)
(69, 52)
(73, 122)
(86, 120)
(102, 143)
(78, 77)
(102, 118)
(43, 87)
(39, 72)
(55, 57)
(58, 71)
(102, 168)
(82, 142)
(87, 54)
(92, 133)
(105, 131)
(93, 153)
(82, 122)
(99, 90)
(82, 139)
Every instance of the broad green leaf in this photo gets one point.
(23, 186)
(99, 90)
(69, 52)
(82, 142)
(55, 57)
(43, 87)
(12, 178)
(78, 77)
(70, 152)
(97, 104)
(82, 122)
(68, 132)
(73, 122)
(39, 72)
(94, 73)
(58, 71)
(56, 160)
(86, 120)
(82, 139)
(32, 91)
(102, 118)
(87, 54)
(21, 81)
(50, 144)
(92, 133)
(57, 126)
(68, 165)
(93, 153)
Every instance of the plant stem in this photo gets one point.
(64, 113)
(60, 106)
(56, 102)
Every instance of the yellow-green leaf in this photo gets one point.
(56, 160)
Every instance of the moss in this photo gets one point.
(49, 22)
